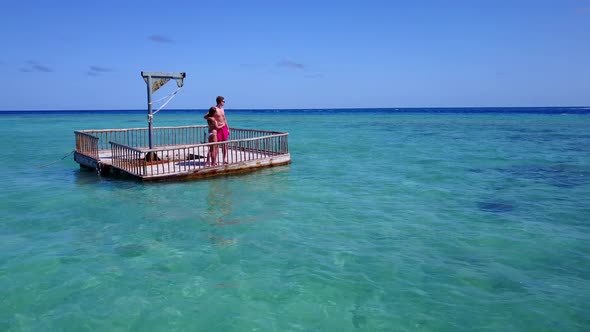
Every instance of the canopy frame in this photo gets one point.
(154, 81)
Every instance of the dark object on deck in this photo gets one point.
(151, 156)
(195, 156)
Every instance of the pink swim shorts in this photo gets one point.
(223, 134)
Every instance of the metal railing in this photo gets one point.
(176, 149)
(162, 136)
(129, 159)
(187, 158)
(273, 146)
(138, 137)
(87, 144)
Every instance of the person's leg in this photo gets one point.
(221, 138)
(215, 151)
(215, 148)
(225, 135)
(212, 154)
(224, 153)
(208, 162)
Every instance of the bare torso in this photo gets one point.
(220, 116)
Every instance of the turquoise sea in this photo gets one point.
(418, 220)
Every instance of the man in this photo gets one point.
(223, 133)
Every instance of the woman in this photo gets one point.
(214, 126)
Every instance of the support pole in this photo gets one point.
(160, 79)
(150, 114)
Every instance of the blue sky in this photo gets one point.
(68, 55)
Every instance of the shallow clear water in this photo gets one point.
(383, 222)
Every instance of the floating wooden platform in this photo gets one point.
(179, 153)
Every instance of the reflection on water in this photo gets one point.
(222, 242)
(218, 211)
(87, 176)
(84, 176)
(219, 202)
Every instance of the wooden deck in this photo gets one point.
(182, 161)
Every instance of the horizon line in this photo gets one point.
(302, 109)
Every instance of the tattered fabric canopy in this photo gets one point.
(161, 78)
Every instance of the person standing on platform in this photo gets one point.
(223, 133)
(212, 138)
